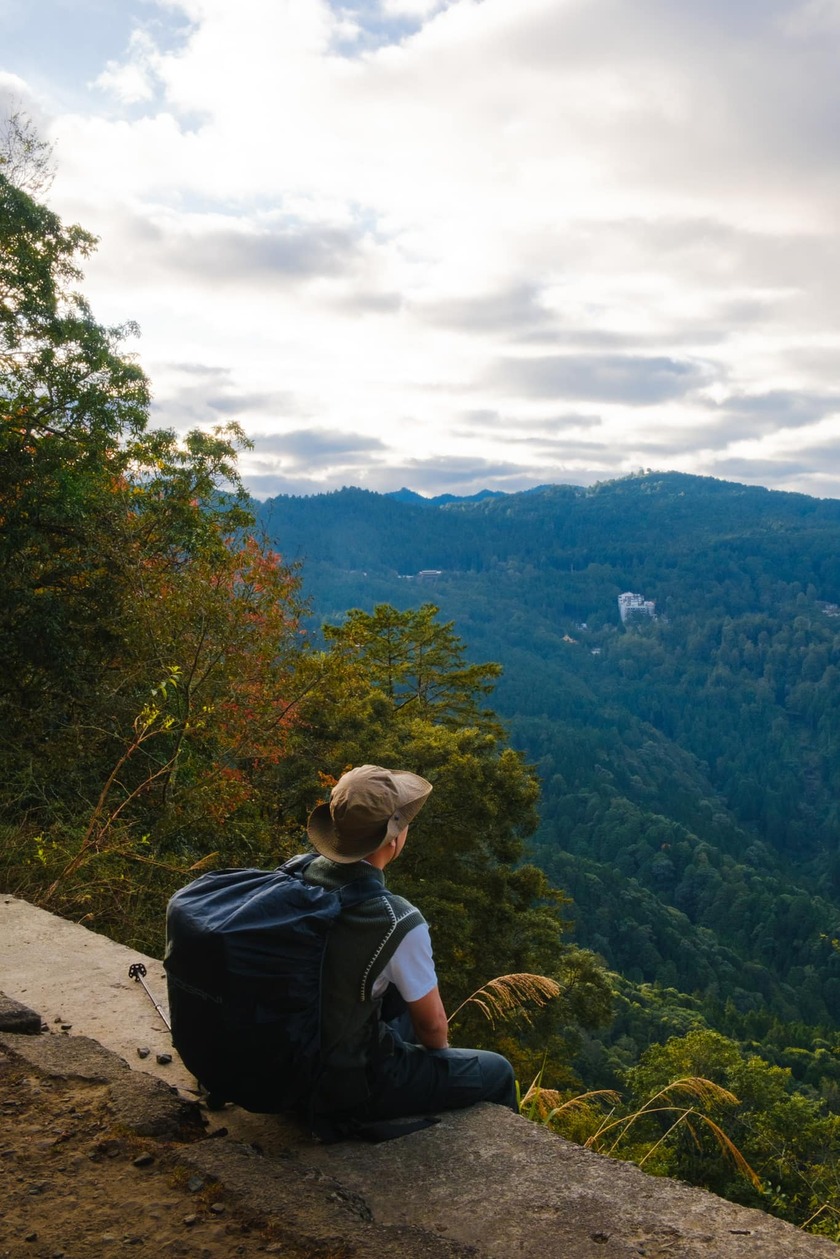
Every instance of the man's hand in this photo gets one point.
(428, 1018)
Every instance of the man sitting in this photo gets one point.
(385, 1046)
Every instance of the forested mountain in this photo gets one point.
(689, 761)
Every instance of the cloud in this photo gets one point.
(269, 484)
(199, 395)
(240, 253)
(511, 310)
(134, 80)
(780, 408)
(434, 475)
(487, 421)
(16, 93)
(823, 457)
(459, 227)
(758, 471)
(634, 381)
(456, 476)
(316, 447)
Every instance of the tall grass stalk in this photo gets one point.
(701, 1090)
(510, 995)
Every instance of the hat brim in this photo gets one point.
(325, 838)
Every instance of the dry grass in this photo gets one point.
(548, 1105)
(702, 1091)
(508, 996)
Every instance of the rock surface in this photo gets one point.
(110, 1151)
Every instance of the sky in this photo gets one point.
(460, 244)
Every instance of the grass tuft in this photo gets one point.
(511, 995)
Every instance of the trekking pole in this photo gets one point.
(136, 971)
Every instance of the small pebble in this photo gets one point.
(143, 1051)
(164, 1059)
(65, 1027)
(31, 1237)
(143, 1160)
(195, 1183)
(218, 1208)
(189, 1220)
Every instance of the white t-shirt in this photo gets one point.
(412, 967)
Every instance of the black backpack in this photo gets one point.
(244, 954)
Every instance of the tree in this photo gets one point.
(70, 405)
(416, 660)
(26, 160)
(393, 689)
(147, 639)
(785, 1136)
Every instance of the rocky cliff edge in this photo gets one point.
(106, 1149)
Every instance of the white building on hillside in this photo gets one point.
(630, 603)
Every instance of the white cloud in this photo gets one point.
(396, 214)
(412, 8)
(129, 84)
(134, 80)
(814, 18)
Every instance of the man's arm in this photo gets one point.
(428, 1018)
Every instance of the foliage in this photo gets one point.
(160, 707)
(687, 766)
(575, 1117)
(392, 689)
(26, 159)
(668, 1108)
(689, 787)
(414, 659)
(789, 1140)
(147, 643)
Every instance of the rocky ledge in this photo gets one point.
(94, 1139)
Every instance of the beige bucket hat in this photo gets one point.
(368, 807)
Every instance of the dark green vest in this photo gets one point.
(361, 943)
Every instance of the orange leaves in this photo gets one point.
(228, 616)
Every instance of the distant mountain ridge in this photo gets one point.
(406, 495)
(404, 532)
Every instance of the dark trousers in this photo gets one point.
(417, 1081)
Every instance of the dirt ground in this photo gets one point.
(78, 1182)
(72, 1184)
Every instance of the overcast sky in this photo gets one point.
(483, 243)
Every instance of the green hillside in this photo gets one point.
(689, 762)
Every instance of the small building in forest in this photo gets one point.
(630, 604)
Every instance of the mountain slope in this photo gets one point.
(689, 760)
